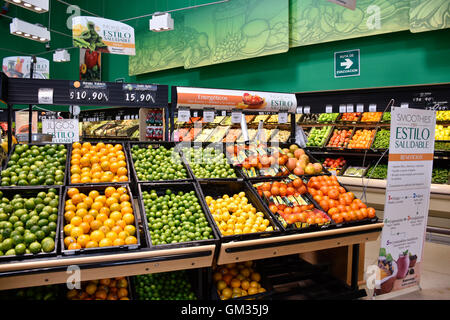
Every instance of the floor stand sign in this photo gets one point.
(407, 200)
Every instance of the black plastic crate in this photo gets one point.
(154, 145)
(131, 293)
(175, 188)
(218, 147)
(234, 187)
(66, 170)
(31, 192)
(104, 250)
(127, 160)
(289, 229)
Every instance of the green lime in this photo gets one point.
(29, 238)
(35, 247)
(46, 230)
(34, 229)
(48, 245)
(54, 203)
(29, 204)
(40, 207)
(20, 249)
(53, 218)
(7, 244)
(10, 252)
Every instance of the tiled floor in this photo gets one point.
(435, 280)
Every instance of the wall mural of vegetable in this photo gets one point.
(90, 65)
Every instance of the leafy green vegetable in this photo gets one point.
(440, 176)
(378, 172)
(382, 139)
(386, 117)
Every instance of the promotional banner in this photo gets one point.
(63, 130)
(407, 198)
(19, 67)
(103, 35)
(22, 125)
(90, 65)
(234, 99)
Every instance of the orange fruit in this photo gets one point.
(76, 199)
(76, 221)
(115, 216)
(95, 159)
(131, 230)
(72, 191)
(83, 240)
(81, 213)
(87, 145)
(123, 179)
(88, 202)
(128, 218)
(122, 163)
(89, 218)
(110, 201)
(111, 236)
(123, 235)
(68, 229)
(105, 229)
(75, 169)
(93, 213)
(122, 172)
(124, 197)
(97, 176)
(85, 226)
(86, 180)
(76, 145)
(107, 177)
(74, 246)
(97, 205)
(92, 244)
(118, 242)
(105, 165)
(126, 210)
(105, 210)
(116, 229)
(109, 191)
(68, 215)
(116, 195)
(131, 240)
(96, 181)
(114, 167)
(85, 162)
(125, 204)
(97, 236)
(121, 224)
(121, 157)
(95, 225)
(115, 179)
(105, 243)
(76, 232)
(109, 223)
(75, 180)
(122, 190)
(68, 241)
(75, 162)
(115, 207)
(82, 205)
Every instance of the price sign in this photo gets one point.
(404, 105)
(45, 96)
(307, 110)
(329, 109)
(283, 117)
(224, 113)
(184, 115)
(360, 108)
(350, 108)
(195, 114)
(299, 110)
(139, 97)
(208, 116)
(236, 117)
(342, 108)
(88, 95)
(373, 108)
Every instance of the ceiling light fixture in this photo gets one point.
(61, 55)
(30, 31)
(39, 6)
(161, 22)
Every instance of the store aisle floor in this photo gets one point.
(435, 281)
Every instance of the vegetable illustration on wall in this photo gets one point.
(317, 21)
(426, 15)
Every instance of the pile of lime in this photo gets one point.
(28, 225)
(164, 286)
(155, 164)
(208, 163)
(35, 166)
(42, 293)
(175, 218)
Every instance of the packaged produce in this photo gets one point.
(237, 280)
(104, 289)
(340, 138)
(28, 224)
(179, 134)
(311, 118)
(382, 139)
(362, 139)
(328, 117)
(218, 134)
(175, 218)
(35, 165)
(351, 116)
(208, 163)
(226, 121)
(203, 135)
(341, 205)
(378, 172)
(100, 163)
(261, 117)
(42, 293)
(318, 136)
(442, 133)
(443, 116)
(440, 176)
(355, 172)
(168, 286)
(99, 219)
(273, 119)
(154, 164)
(232, 135)
(251, 135)
(371, 116)
(249, 118)
(218, 119)
(236, 215)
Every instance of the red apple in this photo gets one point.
(299, 171)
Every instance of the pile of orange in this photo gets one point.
(100, 163)
(99, 220)
(362, 139)
(371, 116)
(104, 289)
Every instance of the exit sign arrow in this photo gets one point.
(347, 64)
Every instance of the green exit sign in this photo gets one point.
(347, 63)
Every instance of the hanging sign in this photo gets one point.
(103, 35)
(234, 99)
(347, 63)
(22, 122)
(19, 67)
(407, 199)
(63, 130)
